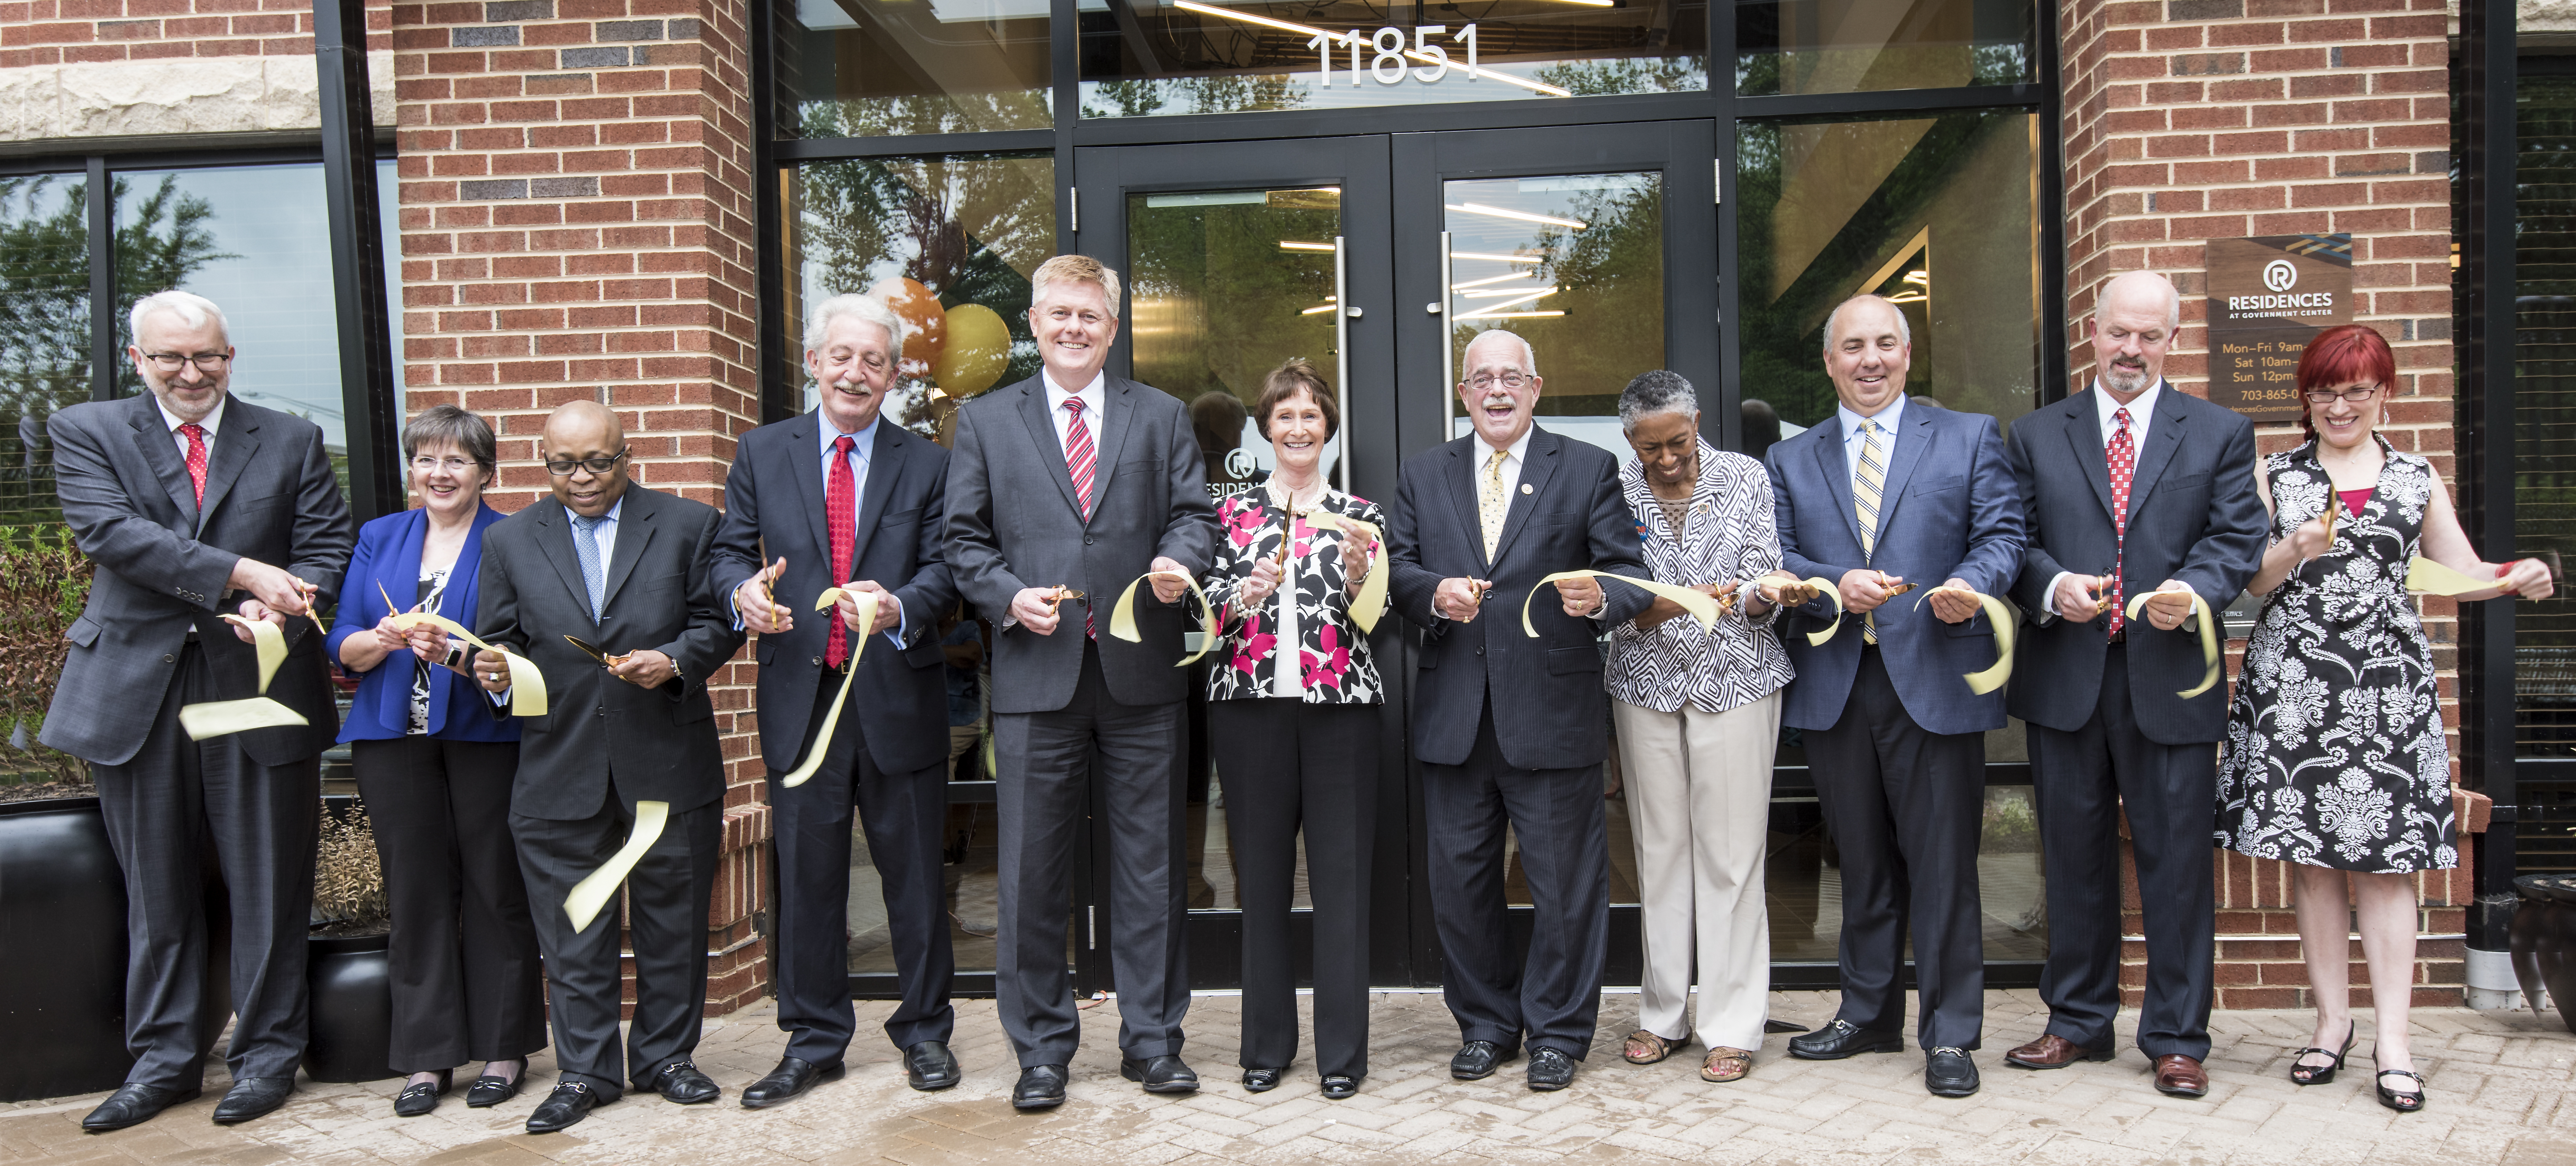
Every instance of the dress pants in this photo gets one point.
(1046, 793)
(1288, 764)
(2082, 782)
(904, 815)
(1905, 806)
(1556, 816)
(169, 807)
(666, 911)
(1699, 806)
(463, 954)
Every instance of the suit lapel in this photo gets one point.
(634, 533)
(804, 441)
(2084, 433)
(885, 465)
(234, 445)
(161, 452)
(1538, 464)
(1120, 404)
(406, 564)
(1916, 433)
(2163, 438)
(1463, 456)
(1837, 470)
(1050, 448)
(554, 537)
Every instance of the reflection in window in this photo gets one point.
(44, 333)
(1803, 880)
(862, 68)
(1937, 213)
(1845, 46)
(1146, 57)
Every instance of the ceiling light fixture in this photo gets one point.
(1477, 208)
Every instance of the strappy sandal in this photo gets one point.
(2319, 1074)
(1658, 1046)
(2403, 1101)
(1725, 1064)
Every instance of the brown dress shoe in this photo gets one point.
(2053, 1052)
(2181, 1076)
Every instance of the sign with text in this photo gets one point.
(2267, 297)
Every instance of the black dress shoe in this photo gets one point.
(1842, 1039)
(1040, 1087)
(1261, 1080)
(133, 1105)
(680, 1083)
(418, 1099)
(794, 1075)
(1340, 1086)
(1477, 1060)
(568, 1104)
(252, 1097)
(1549, 1070)
(1163, 1074)
(490, 1090)
(929, 1066)
(1949, 1072)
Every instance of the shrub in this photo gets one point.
(44, 580)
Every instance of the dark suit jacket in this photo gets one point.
(1948, 510)
(162, 562)
(659, 745)
(388, 564)
(1013, 523)
(773, 507)
(1550, 710)
(2193, 516)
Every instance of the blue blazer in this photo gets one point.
(389, 553)
(1950, 509)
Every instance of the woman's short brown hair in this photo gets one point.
(449, 425)
(1286, 381)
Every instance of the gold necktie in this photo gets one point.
(1866, 484)
(1491, 503)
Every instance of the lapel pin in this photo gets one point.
(1526, 488)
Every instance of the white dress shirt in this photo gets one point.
(2106, 409)
(212, 422)
(1886, 437)
(1095, 404)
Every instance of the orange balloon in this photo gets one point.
(925, 322)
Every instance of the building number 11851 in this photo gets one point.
(1386, 53)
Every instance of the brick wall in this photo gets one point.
(55, 32)
(576, 205)
(2189, 120)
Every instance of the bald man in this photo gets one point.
(628, 571)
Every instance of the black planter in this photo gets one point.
(62, 952)
(353, 1010)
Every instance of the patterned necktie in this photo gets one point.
(840, 513)
(1079, 460)
(196, 435)
(585, 543)
(1491, 503)
(1866, 485)
(2123, 454)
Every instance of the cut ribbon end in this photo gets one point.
(1122, 618)
(592, 893)
(813, 763)
(2005, 619)
(2208, 637)
(1700, 607)
(527, 682)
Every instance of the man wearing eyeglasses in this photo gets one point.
(609, 589)
(194, 506)
(2132, 488)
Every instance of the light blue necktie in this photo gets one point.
(585, 540)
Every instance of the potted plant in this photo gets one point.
(352, 993)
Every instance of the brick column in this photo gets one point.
(2189, 120)
(577, 215)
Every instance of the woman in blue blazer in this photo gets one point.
(435, 766)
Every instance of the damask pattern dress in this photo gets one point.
(2334, 753)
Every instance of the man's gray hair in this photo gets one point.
(192, 309)
(1529, 355)
(1904, 328)
(818, 323)
(1660, 391)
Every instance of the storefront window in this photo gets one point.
(1845, 46)
(1150, 57)
(44, 333)
(865, 68)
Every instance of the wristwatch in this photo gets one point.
(456, 654)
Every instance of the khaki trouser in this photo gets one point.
(1699, 806)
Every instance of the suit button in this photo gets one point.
(1087, 541)
(1480, 651)
(818, 661)
(169, 659)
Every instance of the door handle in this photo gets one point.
(1342, 358)
(1448, 359)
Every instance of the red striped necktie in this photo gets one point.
(1079, 460)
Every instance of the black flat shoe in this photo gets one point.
(793, 1076)
(680, 1083)
(1842, 1039)
(1040, 1087)
(2401, 1100)
(565, 1107)
(1163, 1074)
(930, 1067)
(1549, 1070)
(1261, 1080)
(1340, 1087)
(422, 1097)
(252, 1097)
(2320, 1074)
(1477, 1060)
(132, 1105)
(490, 1090)
(1949, 1072)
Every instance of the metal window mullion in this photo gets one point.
(100, 203)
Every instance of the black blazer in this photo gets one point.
(1550, 710)
(163, 561)
(898, 545)
(2193, 516)
(658, 745)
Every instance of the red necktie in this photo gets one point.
(1079, 460)
(196, 435)
(2123, 454)
(840, 512)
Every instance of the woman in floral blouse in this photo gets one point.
(2334, 759)
(1293, 716)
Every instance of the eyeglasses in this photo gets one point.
(2356, 394)
(454, 465)
(1511, 381)
(596, 465)
(169, 362)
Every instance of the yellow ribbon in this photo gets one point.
(2004, 618)
(1700, 607)
(867, 602)
(2208, 636)
(1370, 603)
(1122, 619)
(2430, 578)
(527, 683)
(1832, 595)
(215, 718)
(594, 891)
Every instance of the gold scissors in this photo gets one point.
(1062, 594)
(588, 649)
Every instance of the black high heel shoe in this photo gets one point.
(419, 1099)
(489, 1090)
(2320, 1074)
(2403, 1101)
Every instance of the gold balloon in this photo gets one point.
(979, 348)
(925, 324)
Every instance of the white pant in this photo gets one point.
(1699, 805)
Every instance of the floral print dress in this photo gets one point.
(1331, 656)
(2334, 752)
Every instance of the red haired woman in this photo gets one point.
(2334, 760)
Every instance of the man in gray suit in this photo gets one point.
(631, 572)
(1069, 482)
(193, 505)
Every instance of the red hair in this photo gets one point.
(2341, 355)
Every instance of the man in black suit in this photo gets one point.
(1074, 479)
(839, 496)
(1512, 730)
(193, 505)
(2157, 488)
(631, 572)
